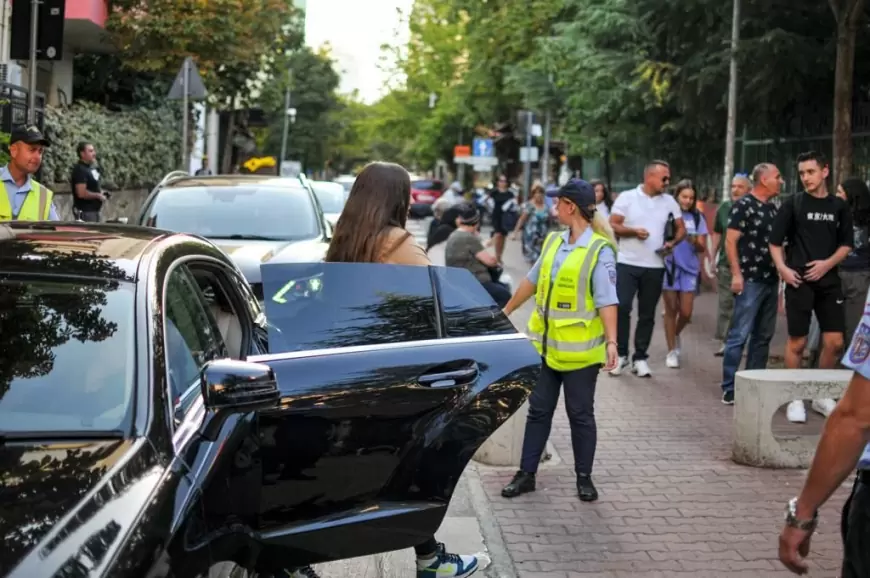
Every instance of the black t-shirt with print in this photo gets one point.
(754, 219)
(812, 228)
(87, 175)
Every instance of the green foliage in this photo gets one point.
(4, 148)
(134, 148)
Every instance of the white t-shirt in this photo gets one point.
(642, 211)
(602, 208)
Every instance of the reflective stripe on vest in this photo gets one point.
(36, 205)
(573, 338)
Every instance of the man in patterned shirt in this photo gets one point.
(846, 432)
(754, 280)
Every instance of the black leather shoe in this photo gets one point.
(522, 483)
(586, 489)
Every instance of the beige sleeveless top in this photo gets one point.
(400, 248)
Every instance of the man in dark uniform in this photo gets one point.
(846, 436)
(84, 181)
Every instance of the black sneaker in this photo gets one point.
(522, 483)
(728, 397)
(586, 489)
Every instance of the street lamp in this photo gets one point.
(289, 116)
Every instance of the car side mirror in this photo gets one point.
(230, 387)
(330, 230)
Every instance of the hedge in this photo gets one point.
(135, 148)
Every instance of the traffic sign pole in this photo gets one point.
(185, 83)
(31, 73)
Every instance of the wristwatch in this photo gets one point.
(792, 520)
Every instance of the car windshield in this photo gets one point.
(237, 212)
(67, 355)
(330, 195)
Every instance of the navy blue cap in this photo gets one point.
(577, 191)
(29, 134)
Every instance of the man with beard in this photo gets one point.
(817, 227)
(24, 198)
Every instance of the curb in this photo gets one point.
(502, 564)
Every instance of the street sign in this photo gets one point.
(483, 147)
(528, 154)
(50, 26)
(462, 151)
(195, 86)
(477, 161)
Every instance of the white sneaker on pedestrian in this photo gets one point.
(621, 364)
(796, 412)
(823, 406)
(673, 360)
(679, 348)
(641, 368)
(721, 351)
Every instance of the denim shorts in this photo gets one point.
(681, 281)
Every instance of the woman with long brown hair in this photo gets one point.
(371, 229)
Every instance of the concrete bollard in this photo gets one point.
(504, 447)
(758, 395)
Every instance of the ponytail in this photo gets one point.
(602, 227)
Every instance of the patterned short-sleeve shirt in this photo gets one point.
(754, 220)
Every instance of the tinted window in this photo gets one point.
(468, 309)
(190, 335)
(267, 212)
(330, 195)
(426, 185)
(321, 305)
(67, 355)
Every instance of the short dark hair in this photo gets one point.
(655, 163)
(80, 148)
(813, 156)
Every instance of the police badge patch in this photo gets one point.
(859, 351)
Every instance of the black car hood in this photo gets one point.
(40, 484)
(249, 255)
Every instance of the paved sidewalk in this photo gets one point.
(672, 502)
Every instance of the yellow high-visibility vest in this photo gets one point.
(567, 331)
(36, 206)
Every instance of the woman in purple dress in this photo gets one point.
(682, 267)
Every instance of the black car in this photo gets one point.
(253, 218)
(154, 423)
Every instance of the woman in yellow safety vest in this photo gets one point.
(573, 327)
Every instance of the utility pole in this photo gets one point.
(34, 43)
(185, 103)
(286, 118)
(731, 128)
(545, 158)
(527, 167)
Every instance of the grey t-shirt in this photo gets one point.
(460, 251)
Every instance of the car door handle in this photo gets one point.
(450, 378)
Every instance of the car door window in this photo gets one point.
(327, 305)
(191, 337)
(468, 308)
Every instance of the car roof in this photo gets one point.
(24, 247)
(232, 181)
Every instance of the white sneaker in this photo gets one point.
(823, 406)
(621, 364)
(796, 412)
(641, 368)
(679, 348)
(673, 360)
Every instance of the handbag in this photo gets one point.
(670, 228)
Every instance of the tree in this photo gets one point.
(848, 14)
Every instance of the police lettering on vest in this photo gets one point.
(567, 330)
(36, 205)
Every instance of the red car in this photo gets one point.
(424, 192)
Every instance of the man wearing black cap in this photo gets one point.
(24, 198)
(573, 327)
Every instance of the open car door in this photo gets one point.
(391, 378)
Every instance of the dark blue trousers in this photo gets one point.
(580, 407)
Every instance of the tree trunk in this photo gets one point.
(608, 170)
(227, 156)
(848, 14)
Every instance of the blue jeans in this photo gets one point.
(753, 320)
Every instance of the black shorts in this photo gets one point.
(824, 297)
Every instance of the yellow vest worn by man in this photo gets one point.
(36, 206)
(567, 332)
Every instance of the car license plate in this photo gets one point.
(425, 198)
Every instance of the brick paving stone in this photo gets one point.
(672, 503)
